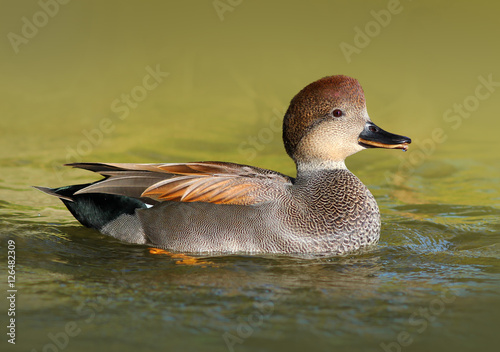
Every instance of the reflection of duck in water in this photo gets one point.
(228, 208)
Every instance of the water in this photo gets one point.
(432, 283)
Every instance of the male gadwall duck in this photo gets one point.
(220, 207)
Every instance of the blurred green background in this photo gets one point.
(226, 76)
(228, 71)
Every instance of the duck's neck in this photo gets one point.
(314, 166)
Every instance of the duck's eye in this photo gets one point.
(337, 113)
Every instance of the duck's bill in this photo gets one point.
(375, 137)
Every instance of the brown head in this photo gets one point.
(327, 121)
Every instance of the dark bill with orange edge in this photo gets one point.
(375, 137)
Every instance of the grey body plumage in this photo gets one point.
(330, 212)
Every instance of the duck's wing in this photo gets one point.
(210, 182)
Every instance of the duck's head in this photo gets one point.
(327, 121)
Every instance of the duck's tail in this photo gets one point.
(99, 210)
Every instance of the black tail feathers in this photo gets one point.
(94, 210)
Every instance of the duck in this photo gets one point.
(228, 208)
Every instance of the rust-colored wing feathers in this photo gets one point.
(218, 190)
(211, 182)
